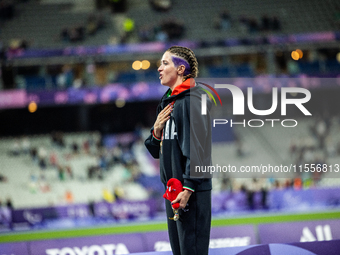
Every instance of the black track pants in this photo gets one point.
(190, 235)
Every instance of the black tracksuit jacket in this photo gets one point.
(186, 140)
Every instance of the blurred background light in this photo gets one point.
(295, 55)
(137, 65)
(145, 64)
(299, 52)
(32, 107)
(338, 57)
(120, 102)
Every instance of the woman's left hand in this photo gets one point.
(182, 199)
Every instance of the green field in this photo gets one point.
(158, 226)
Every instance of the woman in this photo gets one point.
(181, 139)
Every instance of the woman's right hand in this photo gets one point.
(162, 118)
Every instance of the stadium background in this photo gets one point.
(79, 89)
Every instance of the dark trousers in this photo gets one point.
(190, 235)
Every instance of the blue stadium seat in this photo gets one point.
(244, 71)
(309, 68)
(333, 67)
(127, 77)
(150, 75)
(219, 72)
(35, 82)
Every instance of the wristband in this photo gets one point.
(154, 136)
(187, 188)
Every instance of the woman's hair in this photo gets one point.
(186, 57)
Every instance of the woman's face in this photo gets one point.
(168, 73)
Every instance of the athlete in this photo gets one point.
(181, 139)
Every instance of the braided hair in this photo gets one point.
(190, 61)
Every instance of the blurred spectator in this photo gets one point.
(298, 183)
(43, 184)
(293, 147)
(251, 25)
(293, 67)
(91, 25)
(146, 33)
(69, 197)
(58, 139)
(75, 148)
(160, 34)
(65, 79)
(53, 159)
(25, 145)
(32, 185)
(226, 184)
(5, 214)
(161, 5)
(118, 6)
(243, 24)
(69, 172)
(15, 150)
(77, 33)
(102, 162)
(117, 154)
(240, 151)
(42, 156)
(64, 35)
(61, 173)
(17, 46)
(42, 163)
(92, 207)
(9, 204)
(3, 178)
(223, 22)
(108, 196)
(2, 55)
(276, 24)
(266, 23)
(86, 146)
(118, 193)
(90, 172)
(330, 144)
(78, 83)
(168, 30)
(34, 154)
(270, 23)
(7, 10)
(173, 28)
(94, 23)
(73, 34)
(128, 29)
(264, 195)
(320, 130)
(95, 172)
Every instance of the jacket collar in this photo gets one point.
(187, 84)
